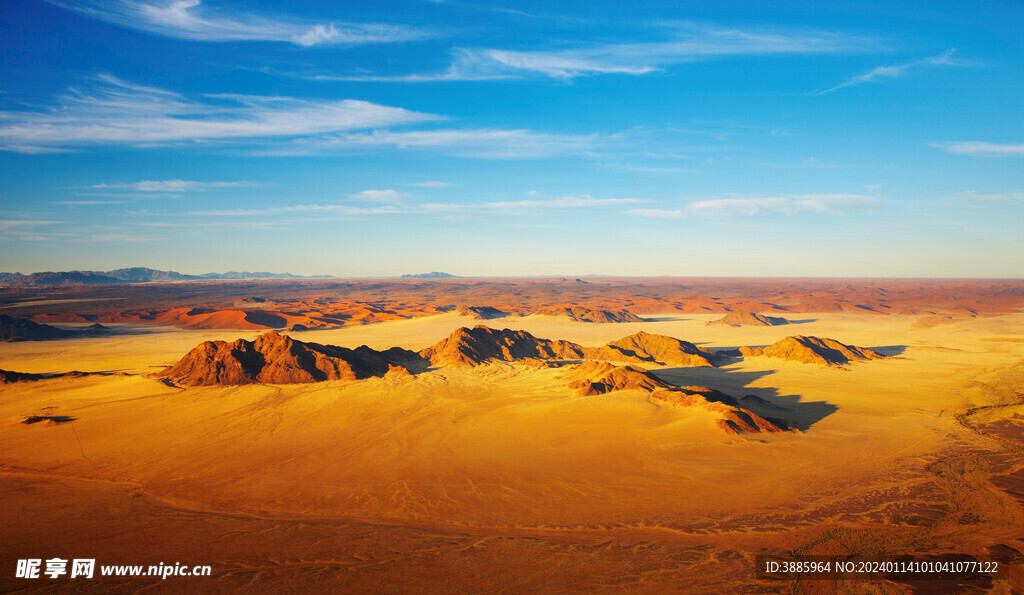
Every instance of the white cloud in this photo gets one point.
(117, 112)
(981, 148)
(557, 202)
(334, 209)
(742, 206)
(897, 70)
(973, 196)
(686, 43)
(382, 196)
(536, 201)
(33, 230)
(87, 202)
(8, 224)
(785, 205)
(189, 19)
(487, 143)
(836, 203)
(657, 213)
(171, 185)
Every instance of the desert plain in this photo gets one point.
(499, 475)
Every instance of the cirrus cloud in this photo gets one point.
(189, 19)
(115, 112)
(785, 205)
(981, 148)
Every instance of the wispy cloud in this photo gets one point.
(685, 43)
(34, 230)
(431, 184)
(8, 224)
(333, 209)
(171, 185)
(785, 205)
(657, 213)
(190, 19)
(112, 111)
(483, 143)
(87, 202)
(897, 70)
(382, 196)
(981, 148)
(541, 201)
(974, 198)
(534, 201)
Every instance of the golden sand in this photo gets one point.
(500, 476)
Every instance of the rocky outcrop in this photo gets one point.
(474, 346)
(480, 312)
(278, 359)
(8, 377)
(582, 314)
(598, 378)
(14, 328)
(643, 347)
(812, 350)
(747, 318)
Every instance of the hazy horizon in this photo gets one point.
(517, 139)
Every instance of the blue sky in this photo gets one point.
(513, 138)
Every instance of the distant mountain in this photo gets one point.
(433, 275)
(144, 275)
(261, 275)
(128, 275)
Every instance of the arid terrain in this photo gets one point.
(612, 438)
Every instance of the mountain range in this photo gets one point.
(130, 275)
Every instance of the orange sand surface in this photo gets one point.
(500, 477)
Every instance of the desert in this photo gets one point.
(510, 296)
(440, 452)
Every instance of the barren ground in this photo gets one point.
(500, 478)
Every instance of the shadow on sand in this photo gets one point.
(56, 419)
(890, 350)
(766, 402)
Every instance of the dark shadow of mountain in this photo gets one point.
(264, 319)
(766, 402)
(57, 419)
(100, 330)
(890, 350)
(664, 318)
(803, 321)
